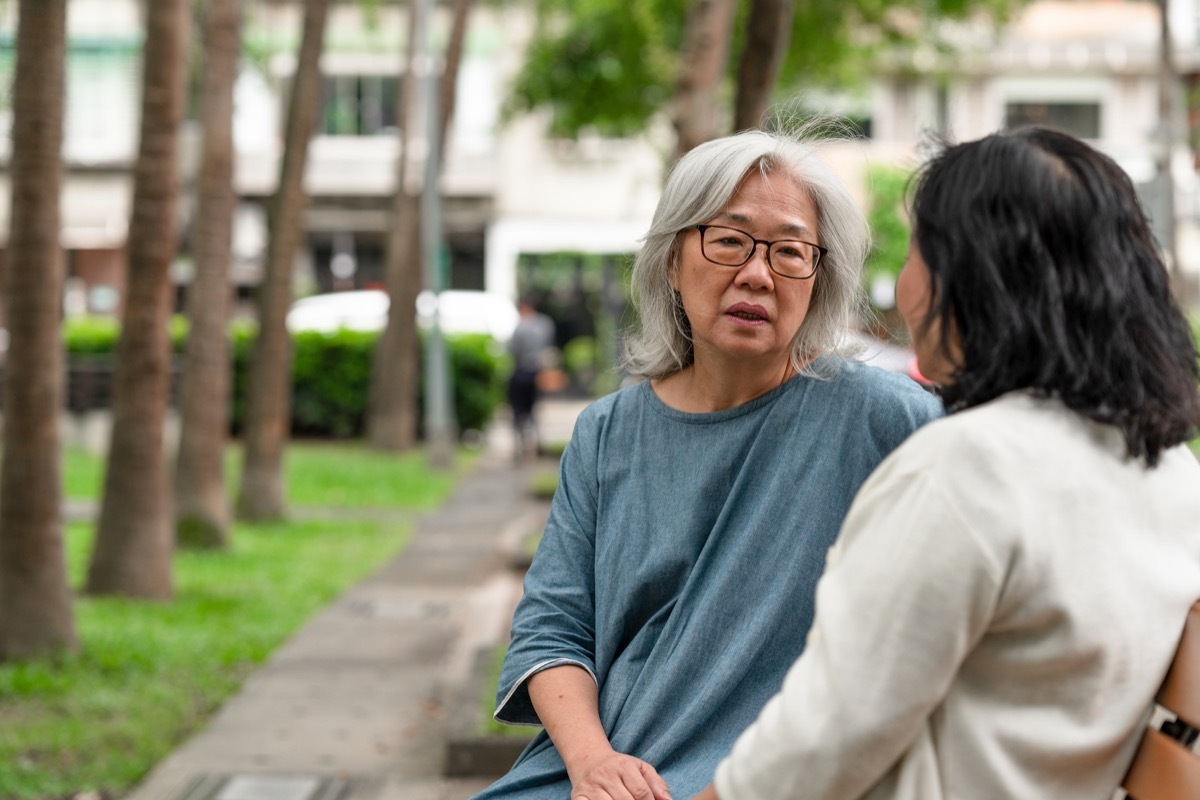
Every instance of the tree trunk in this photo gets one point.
(268, 399)
(394, 396)
(201, 501)
(703, 56)
(451, 63)
(135, 537)
(35, 600)
(392, 412)
(768, 30)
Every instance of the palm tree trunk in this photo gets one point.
(268, 399)
(37, 617)
(392, 412)
(201, 502)
(768, 30)
(449, 83)
(394, 396)
(135, 535)
(703, 56)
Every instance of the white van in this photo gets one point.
(460, 311)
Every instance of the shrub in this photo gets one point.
(331, 380)
(331, 374)
(478, 371)
(91, 336)
(581, 360)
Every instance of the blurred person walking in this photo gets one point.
(532, 351)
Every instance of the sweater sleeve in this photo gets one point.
(907, 592)
(554, 623)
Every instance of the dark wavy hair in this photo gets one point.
(1045, 271)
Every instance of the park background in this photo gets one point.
(175, 175)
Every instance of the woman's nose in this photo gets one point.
(756, 270)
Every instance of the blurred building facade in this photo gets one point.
(510, 195)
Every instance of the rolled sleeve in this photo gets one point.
(554, 623)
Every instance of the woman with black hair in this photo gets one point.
(1009, 586)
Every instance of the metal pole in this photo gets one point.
(438, 411)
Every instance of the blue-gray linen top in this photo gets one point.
(680, 559)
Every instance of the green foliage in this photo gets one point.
(241, 345)
(88, 335)
(148, 674)
(889, 221)
(611, 65)
(332, 379)
(544, 484)
(580, 357)
(331, 373)
(479, 370)
(599, 64)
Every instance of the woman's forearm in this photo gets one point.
(566, 699)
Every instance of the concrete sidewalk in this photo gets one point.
(354, 705)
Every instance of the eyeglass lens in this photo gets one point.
(731, 247)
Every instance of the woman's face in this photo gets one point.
(748, 315)
(914, 300)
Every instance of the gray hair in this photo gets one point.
(699, 185)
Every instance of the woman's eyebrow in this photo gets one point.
(799, 229)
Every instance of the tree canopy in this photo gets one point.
(611, 65)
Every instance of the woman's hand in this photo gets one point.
(616, 776)
(565, 699)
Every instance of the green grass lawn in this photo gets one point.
(147, 674)
(323, 474)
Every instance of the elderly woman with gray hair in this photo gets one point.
(674, 583)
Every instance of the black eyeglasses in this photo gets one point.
(730, 247)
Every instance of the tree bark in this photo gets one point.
(703, 56)
(135, 537)
(395, 370)
(202, 513)
(768, 31)
(35, 601)
(451, 63)
(268, 399)
(392, 420)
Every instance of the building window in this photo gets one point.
(358, 105)
(1079, 119)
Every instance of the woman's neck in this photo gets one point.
(702, 388)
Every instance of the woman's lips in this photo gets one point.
(747, 313)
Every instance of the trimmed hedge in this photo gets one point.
(331, 374)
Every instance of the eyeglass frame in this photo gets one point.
(821, 251)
